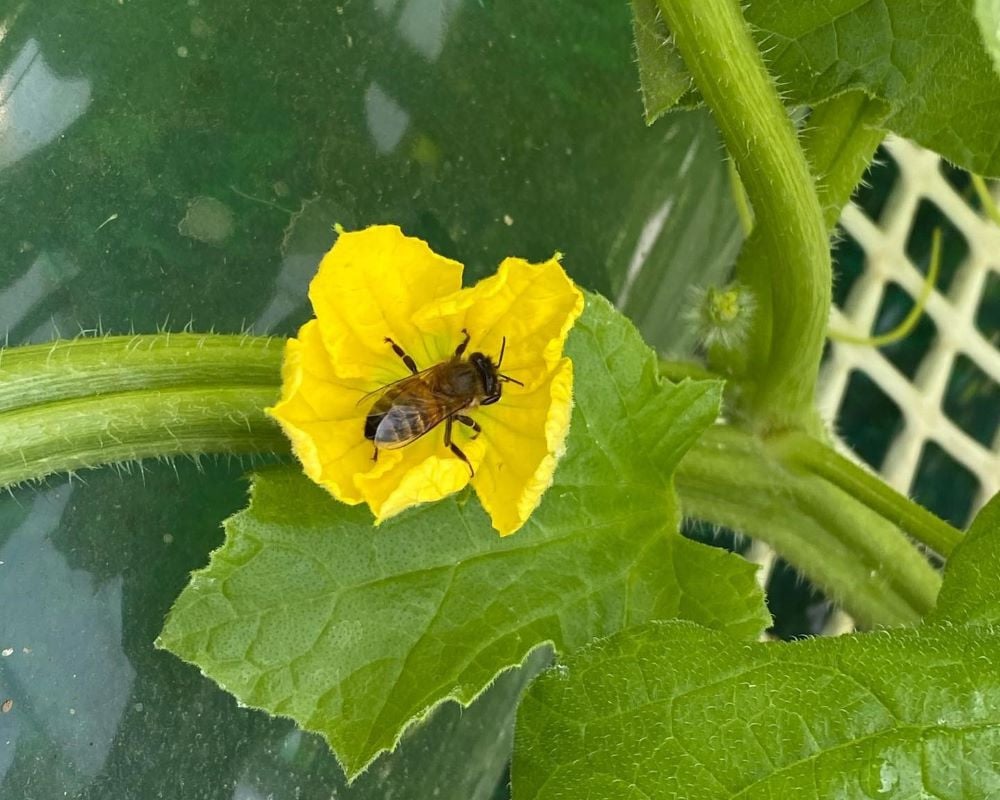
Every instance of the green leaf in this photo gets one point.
(662, 75)
(926, 59)
(308, 611)
(969, 593)
(674, 710)
(988, 18)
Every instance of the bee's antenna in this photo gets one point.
(503, 347)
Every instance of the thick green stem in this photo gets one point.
(857, 557)
(818, 459)
(86, 367)
(786, 261)
(76, 404)
(839, 141)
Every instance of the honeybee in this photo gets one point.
(407, 409)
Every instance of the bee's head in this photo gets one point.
(490, 375)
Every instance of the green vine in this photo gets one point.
(855, 553)
(70, 405)
(811, 456)
(786, 260)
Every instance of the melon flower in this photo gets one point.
(386, 306)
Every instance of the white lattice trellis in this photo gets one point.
(884, 244)
(920, 400)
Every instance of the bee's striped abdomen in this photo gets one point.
(400, 425)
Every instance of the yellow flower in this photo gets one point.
(378, 284)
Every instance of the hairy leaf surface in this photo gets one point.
(928, 59)
(662, 76)
(674, 710)
(969, 594)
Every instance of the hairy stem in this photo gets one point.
(65, 369)
(786, 261)
(914, 520)
(69, 405)
(856, 556)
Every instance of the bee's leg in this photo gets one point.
(465, 343)
(470, 422)
(375, 454)
(411, 365)
(454, 447)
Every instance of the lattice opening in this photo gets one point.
(848, 266)
(972, 401)
(960, 180)
(873, 195)
(908, 353)
(954, 247)
(715, 535)
(945, 486)
(988, 313)
(869, 419)
(797, 607)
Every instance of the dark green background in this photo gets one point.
(166, 163)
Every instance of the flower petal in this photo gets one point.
(319, 413)
(368, 287)
(378, 283)
(532, 305)
(524, 436)
(422, 472)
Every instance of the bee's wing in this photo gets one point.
(383, 390)
(408, 419)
